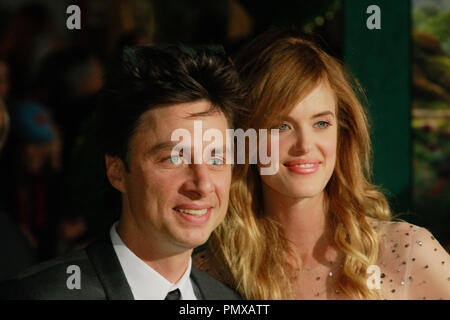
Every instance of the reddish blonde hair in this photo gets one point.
(278, 69)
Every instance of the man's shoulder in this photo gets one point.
(70, 276)
(211, 288)
(54, 265)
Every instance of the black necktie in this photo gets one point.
(173, 295)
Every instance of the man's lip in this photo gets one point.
(193, 219)
(301, 161)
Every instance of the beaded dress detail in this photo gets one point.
(412, 265)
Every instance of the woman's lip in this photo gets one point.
(302, 161)
(295, 168)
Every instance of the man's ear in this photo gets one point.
(115, 171)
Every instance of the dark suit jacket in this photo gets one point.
(102, 278)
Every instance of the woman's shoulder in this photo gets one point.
(396, 233)
(399, 239)
(389, 226)
(414, 264)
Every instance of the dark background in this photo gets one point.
(399, 66)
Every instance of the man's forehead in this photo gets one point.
(164, 116)
(156, 125)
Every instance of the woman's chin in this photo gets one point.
(302, 193)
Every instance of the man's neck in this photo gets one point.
(169, 263)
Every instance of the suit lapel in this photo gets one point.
(201, 289)
(197, 291)
(208, 287)
(108, 269)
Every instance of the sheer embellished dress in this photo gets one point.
(411, 265)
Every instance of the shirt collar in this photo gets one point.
(144, 281)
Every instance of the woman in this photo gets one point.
(317, 229)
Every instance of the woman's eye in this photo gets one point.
(321, 124)
(283, 127)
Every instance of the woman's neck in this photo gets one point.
(304, 222)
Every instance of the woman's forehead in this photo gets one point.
(320, 99)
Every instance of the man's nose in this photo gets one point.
(199, 183)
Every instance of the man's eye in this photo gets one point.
(322, 124)
(215, 161)
(175, 160)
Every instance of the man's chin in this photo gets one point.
(193, 242)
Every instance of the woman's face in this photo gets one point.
(307, 147)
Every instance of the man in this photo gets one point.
(170, 204)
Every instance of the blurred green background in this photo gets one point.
(431, 115)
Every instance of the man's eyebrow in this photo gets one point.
(206, 113)
(162, 146)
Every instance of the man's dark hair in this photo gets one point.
(152, 76)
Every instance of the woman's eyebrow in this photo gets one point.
(317, 115)
(321, 114)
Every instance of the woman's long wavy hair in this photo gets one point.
(278, 69)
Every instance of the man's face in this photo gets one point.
(165, 201)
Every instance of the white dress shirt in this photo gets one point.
(144, 281)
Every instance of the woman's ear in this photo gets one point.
(115, 171)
